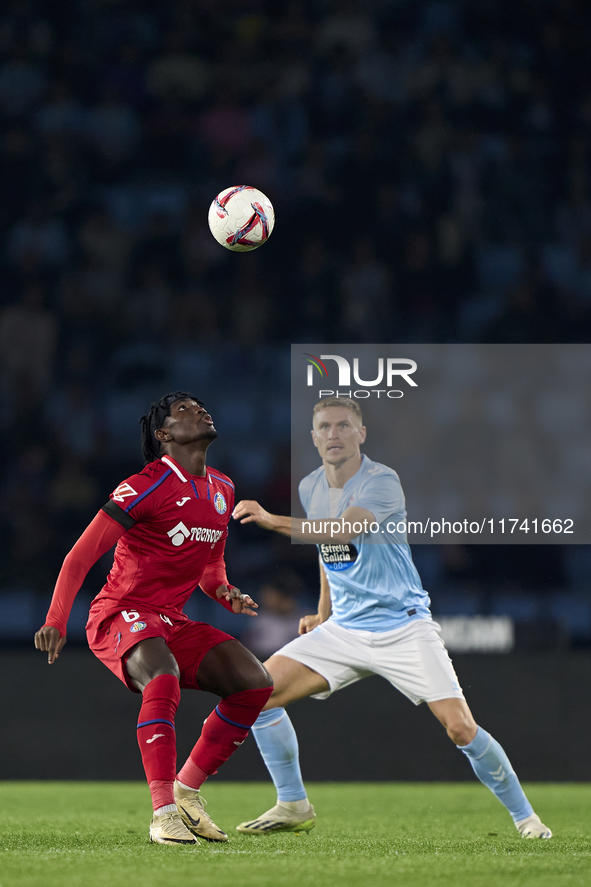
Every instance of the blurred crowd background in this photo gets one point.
(429, 163)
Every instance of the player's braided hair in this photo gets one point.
(153, 420)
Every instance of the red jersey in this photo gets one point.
(176, 527)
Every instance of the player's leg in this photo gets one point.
(224, 667)
(292, 680)
(152, 669)
(149, 659)
(314, 664)
(231, 671)
(277, 742)
(274, 732)
(415, 661)
(490, 764)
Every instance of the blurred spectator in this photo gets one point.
(74, 419)
(573, 217)
(366, 294)
(313, 292)
(196, 318)
(418, 284)
(200, 252)
(125, 76)
(22, 82)
(280, 121)
(106, 244)
(225, 125)
(346, 26)
(114, 130)
(34, 558)
(177, 72)
(456, 263)
(279, 614)
(532, 314)
(59, 179)
(168, 130)
(158, 243)
(29, 476)
(73, 492)
(61, 114)
(39, 236)
(28, 341)
(17, 152)
(147, 309)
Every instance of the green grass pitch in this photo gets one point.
(72, 834)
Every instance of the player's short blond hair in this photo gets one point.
(347, 402)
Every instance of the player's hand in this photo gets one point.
(248, 511)
(48, 639)
(241, 603)
(308, 623)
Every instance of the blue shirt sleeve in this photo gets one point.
(304, 490)
(382, 495)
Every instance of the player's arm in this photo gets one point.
(307, 623)
(99, 536)
(354, 521)
(214, 582)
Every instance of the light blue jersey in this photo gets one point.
(374, 585)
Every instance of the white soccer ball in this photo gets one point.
(241, 218)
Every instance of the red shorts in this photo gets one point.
(112, 638)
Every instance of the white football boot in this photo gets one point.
(283, 817)
(191, 807)
(533, 827)
(169, 828)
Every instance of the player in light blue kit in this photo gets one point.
(373, 618)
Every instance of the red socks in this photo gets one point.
(156, 736)
(224, 730)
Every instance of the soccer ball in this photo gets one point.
(241, 218)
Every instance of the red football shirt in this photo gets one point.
(176, 526)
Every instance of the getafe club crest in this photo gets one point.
(219, 503)
(138, 626)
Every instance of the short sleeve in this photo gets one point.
(382, 495)
(305, 493)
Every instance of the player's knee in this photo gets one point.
(230, 668)
(257, 677)
(266, 678)
(461, 731)
(277, 699)
(149, 659)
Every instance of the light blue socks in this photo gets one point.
(276, 738)
(493, 768)
(278, 745)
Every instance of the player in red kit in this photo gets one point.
(169, 523)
